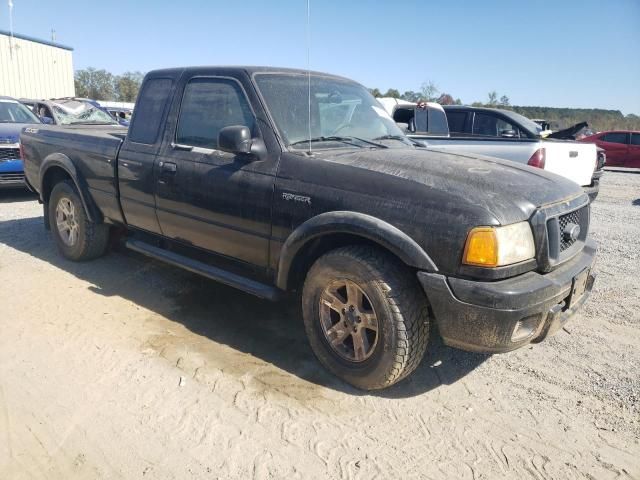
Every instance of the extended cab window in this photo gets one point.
(149, 108)
(492, 126)
(635, 139)
(615, 137)
(209, 105)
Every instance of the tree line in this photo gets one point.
(598, 119)
(103, 85)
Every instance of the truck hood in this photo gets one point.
(10, 132)
(510, 191)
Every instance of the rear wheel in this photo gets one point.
(365, 316)
(77, 237)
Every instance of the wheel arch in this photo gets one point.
(331, 230)
(58, 167)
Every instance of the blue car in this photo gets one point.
(14, 116)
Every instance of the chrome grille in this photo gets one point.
(9, 154)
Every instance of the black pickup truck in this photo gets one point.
(275, 180)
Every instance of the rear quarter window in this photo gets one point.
(148, 112)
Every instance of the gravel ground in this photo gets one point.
(127, 368)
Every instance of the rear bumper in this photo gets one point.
(593, 189)
(485, 316)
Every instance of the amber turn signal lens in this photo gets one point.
(481, 248)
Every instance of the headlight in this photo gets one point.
(499, 246)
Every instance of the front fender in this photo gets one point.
(59, 160)
(359, 224)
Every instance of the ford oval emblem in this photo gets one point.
(571, 232)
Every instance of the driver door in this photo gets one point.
(208, 198)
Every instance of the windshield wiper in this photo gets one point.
(400, 138)
(335, 138)
(92, 122)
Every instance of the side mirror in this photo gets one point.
(47, 120)
(237, 139)
(508, 133)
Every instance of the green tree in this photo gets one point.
(504, 101)
(95, 84)
(375, 92)
(492, 99)
(127, 86)
(411, 96)
(429, 91)
(392, 92)
(445, 99)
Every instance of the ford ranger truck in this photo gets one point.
(273, 180)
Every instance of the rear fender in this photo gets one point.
(61, 161)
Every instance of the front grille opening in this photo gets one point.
(9, 154)
(565, 221)
(566, 231)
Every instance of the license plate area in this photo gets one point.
(578, 286)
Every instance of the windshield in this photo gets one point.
(73, 112)
(343, 113)
(533, 127)
(15, 112)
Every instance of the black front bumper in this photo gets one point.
(483, 316)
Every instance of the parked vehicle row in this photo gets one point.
(273, 180)
(67, 111)
(14, 116)
(498, 133)
(622, 147)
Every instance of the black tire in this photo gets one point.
(397, 301)
(91, 238)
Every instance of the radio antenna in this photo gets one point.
(309, 68)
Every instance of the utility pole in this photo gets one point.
(10, 3)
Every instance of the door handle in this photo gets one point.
(178, 146)
(168, 167)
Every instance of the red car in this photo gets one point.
(622, 147)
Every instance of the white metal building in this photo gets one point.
(33, 68)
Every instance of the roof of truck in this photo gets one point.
(249, 69)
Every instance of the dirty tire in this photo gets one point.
(91, 238)
(399, 304)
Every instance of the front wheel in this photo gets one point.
(365, 315)
(77, 237)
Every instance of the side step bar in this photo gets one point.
(233, 280)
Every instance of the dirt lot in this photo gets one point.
(127, 368)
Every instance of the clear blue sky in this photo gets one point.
(538, 52)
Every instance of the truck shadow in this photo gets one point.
(270, 332)
(16, 196)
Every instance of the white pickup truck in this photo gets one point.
(497, 133)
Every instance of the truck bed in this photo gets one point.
(91, 149)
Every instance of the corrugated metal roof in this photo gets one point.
(36, 40)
